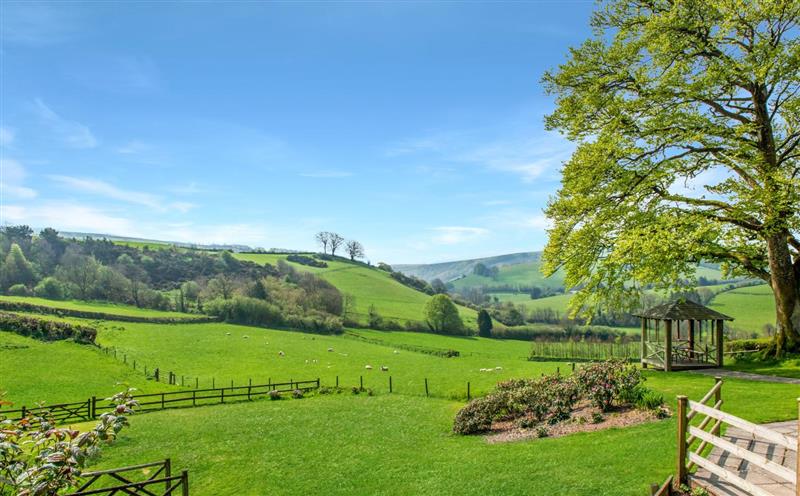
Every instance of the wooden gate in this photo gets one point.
(707, 434)
(160, 482)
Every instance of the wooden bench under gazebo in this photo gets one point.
(682, 335)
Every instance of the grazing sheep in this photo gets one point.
(246, 336)
(280, 353)
(368, 367)
(396, 352)
(498, 368)
(227, 334)
(483, 370)
(384, 368)
(330, 349)
(306, 362)
(314, 360)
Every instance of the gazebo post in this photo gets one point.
(691, 337)
(720, 324)
(668, 347)
(644, 342)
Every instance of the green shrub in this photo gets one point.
(441, 315)
(19, 290)
(46, 330)
(603, 383)
(51, 288)
(746, 345)
(650, 400)
(478, 414)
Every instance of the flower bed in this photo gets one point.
(600, 394)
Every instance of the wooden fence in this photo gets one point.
(160, 482)
(707, 434)
(89, 409)
(583, 351)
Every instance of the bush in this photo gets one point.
(747, 345)
(478, 414)
(19, 290)
(51, 288)
(603, 383)
(650, 400)
(304, 260)
(441, 314)
(46, 330)
(245, 310)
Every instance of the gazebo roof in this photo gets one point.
(682, 310)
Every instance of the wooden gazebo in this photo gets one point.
(682, 335)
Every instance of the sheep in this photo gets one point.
(368, 367)
(330, 350)
(498, 368)
(314, 361)
(384, 368)
(396, 352)
(280, 353)
(227, 334)
(306, 362)
(483, 370)
(246, 336)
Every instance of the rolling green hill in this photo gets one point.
(752, 307)
(369, 286)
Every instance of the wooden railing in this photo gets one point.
(707, 432)
(92, 407)
(122, 483)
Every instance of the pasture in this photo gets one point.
(386, 443)
(99, 307)
(753, 307)
(369, 286)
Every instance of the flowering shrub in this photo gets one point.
(36, 458)
(478, 414)
(604, 383)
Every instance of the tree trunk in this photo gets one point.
(784, 282)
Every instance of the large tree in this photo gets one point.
(354, 249)
(686, 120)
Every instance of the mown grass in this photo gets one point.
(100, 307)
(396, 444)
(752, 307)
(369, 286)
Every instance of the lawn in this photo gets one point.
(752, 307)
(398, 444)
(100, 307)
(369, 286)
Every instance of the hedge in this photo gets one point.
(737, 345)
(15, 306)
(46, 330)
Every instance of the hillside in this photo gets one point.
(448, 271)
(369, 286)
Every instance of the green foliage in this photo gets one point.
(19, 290)
(662, 94)
(16, 269)
(605, 383)
(51, 288)
(46, 330)
(442, 316)
(484, 324)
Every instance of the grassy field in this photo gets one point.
(753, 307)
(369, 286)
(397, 443)
(32, 371)
(558, 303)
(100, 307)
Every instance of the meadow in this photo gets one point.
(752, 307)
(99, 307)
(369, 286)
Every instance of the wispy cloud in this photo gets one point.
(118, 74)
(72, 133)
(518, 219)
(450, 235)
(531, 157)
(133, 147)
(7, 136)
(494, 203)
(67, 216)
(327, 174)
(12, 177)
(108, 190)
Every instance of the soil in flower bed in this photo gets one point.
(583, 419)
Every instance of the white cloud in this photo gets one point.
(518, 219)
(530, 157)
(7, 136)
(191, 188)
(450, 235)
(12, 176)
(133, 147)
(72, 133)
(107, 190)
(67, 216)
(328, 174)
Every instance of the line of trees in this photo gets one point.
(333, 241)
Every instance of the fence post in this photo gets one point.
(390, 384)
(94, 407)
(361, 381)
(249, 388)
(468, 395)
(184, 483)
(317, 382)
(167, 471)
(426, 386)
(222, 395)
(157, 373)
(337, 381)
(134, 365)
(717, 399)
(213, 383)
(196, 382)
(573, 366)
(162, 401)
(194, 398)
(680, 473)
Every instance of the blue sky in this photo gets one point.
(414, 127)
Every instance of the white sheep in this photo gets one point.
(330, 349)
(368, 367)
(498, 368)
(280, 353)
(483, 370)
(396, 352)
(306, 362)
(384, 368)
(246, 336)
(227, 334)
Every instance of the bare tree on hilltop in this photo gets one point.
(335, 241)
(354, 249)
(323, 238)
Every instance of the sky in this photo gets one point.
(416, 128)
